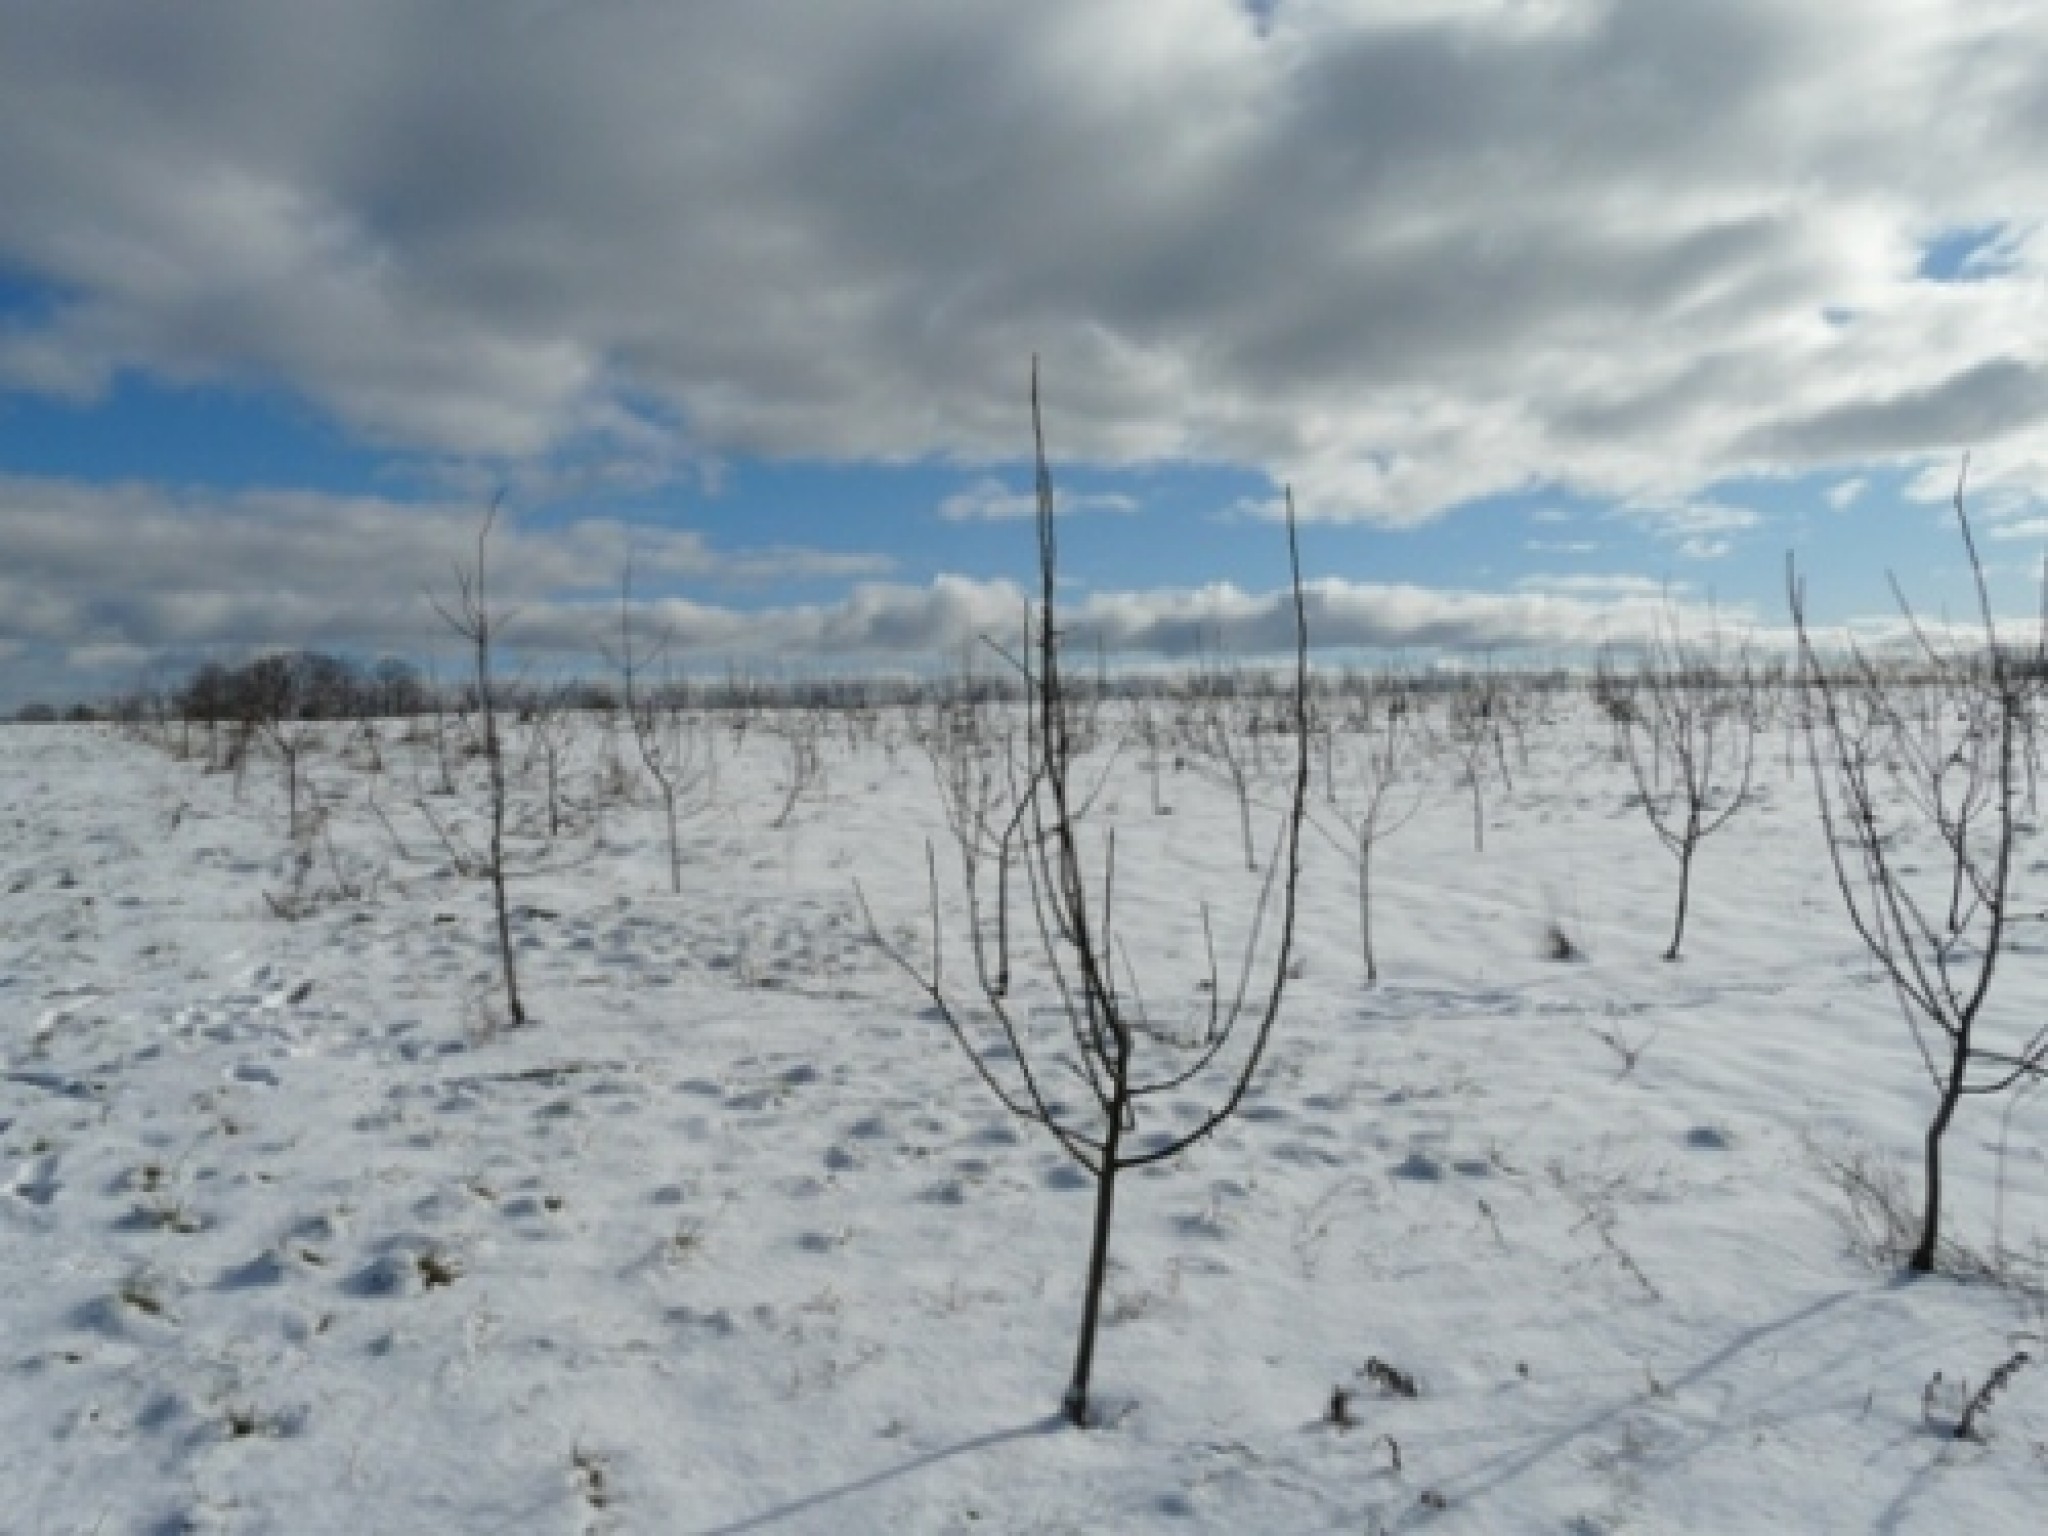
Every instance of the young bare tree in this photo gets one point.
(208, 697)
(974, 763)
(550, 731)
(1477, 720)
(473, 620)
(679, 753)
(1150, 734)
(1689, 733)
(274, 700)
(1112, 1038)
(1889, 778)
(1372, 796)
(802, 734)
(1216, 735)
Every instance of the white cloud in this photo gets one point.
(877, 621)
(1692, 519)
(1590, 585)
(990, 500)
(1398, 255)
(1699, 530)
(2028, 528)
(1844, 494)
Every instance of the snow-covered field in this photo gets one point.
(729, 1238)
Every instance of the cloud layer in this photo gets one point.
(106, 576)
(1401, 252)
(229, 576)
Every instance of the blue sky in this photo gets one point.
(289, 291)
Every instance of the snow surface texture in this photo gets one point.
(730, 1239)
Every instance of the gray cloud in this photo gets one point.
(1983, 404)
(1401, 254)
(97, 572)
(902, 622)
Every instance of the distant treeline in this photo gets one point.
(314, 685)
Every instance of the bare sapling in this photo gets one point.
(473, 619)
(550, 731)
(1098, 1090)
(270, 701)
(1150, 733)
(1689, 734)
(1216, 735)
(208, 698)
(974, 762)
(1890, 780)
(678, 751)
(1475, 727)
(1371, 796)
(802, 734)
(446, 731)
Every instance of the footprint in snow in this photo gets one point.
(1419, 1166)
(36, 1181)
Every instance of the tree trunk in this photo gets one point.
(1074, 1406)
(1244, 821)
(1922, 1261)
(1685, 854)
(675, 851)
(1372, 970)
(493, 751)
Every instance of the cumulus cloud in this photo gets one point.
(1400, 254)
(882, 621)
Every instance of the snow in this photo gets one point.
(294, 1238)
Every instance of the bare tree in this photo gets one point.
(273, 699)
(1477, 721)
(1151, 734)
(1885, 774)
(974, 762)
(1687, 706)
(472, 618)
(802, 733)
(1218, 740)
(551, 726)
(1109, 1025)
(1371, 797)
(681, 758)
(447, 727)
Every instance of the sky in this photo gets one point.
(1562, 320)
